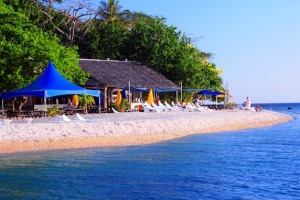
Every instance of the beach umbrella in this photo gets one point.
(223, 96)
(75, 100)
(124, 95)
(150, 97)
(118, 100)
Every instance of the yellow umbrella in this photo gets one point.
(150, 97)
(223, 96)
(118, 100)
(75, 100)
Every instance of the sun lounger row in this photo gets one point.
(171, 108)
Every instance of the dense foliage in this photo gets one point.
(25, 51)
(35, 31)
(157, 45)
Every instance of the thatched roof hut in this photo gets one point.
(112, 73)
(107, 75)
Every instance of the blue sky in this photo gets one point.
(255, 42)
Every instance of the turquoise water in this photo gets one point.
(250, 164)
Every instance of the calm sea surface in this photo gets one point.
(250, 164)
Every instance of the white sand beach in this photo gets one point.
(124, 129)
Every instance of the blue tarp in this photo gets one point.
(166, 89)
(50, 83)
(191, 90)
(209, 92)
(132, 89)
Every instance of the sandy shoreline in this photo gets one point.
(124, 129)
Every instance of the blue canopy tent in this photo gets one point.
(211, 93)
(205, 92)
(49, 84)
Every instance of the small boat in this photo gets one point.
(289, 108)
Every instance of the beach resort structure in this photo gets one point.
(106, 76)
(112, 75)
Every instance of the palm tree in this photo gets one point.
(111, 12)
(86, 100)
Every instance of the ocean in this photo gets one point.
(259, 163)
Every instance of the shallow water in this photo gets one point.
(250, 164)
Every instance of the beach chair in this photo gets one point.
(163, 106)
(172, 108)
(202, 108)
(158, 107)
(66, 119)
(82, 119)
(114, 110)
(148, 108)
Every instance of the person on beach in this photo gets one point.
(156, 100)
(183, 104)
(70, 105)
(197, 101)
(248, 103)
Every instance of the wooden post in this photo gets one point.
(105, 98)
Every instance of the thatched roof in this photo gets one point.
(112, 73)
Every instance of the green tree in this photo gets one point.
(105, 41)
(164, 49)
(153, 43)
(25, 51)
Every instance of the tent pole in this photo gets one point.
(180, 91)
(45, 107)
(99, 101)
(2, 110)
(129, 92)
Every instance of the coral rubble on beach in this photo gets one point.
(123, 129)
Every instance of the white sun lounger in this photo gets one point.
(66, 119)
(159, 107)
(172, 108)
(114, 110)
(202, 108)
(82, 119)
(163, 106)
(148, 108)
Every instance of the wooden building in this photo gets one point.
(109, 75)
